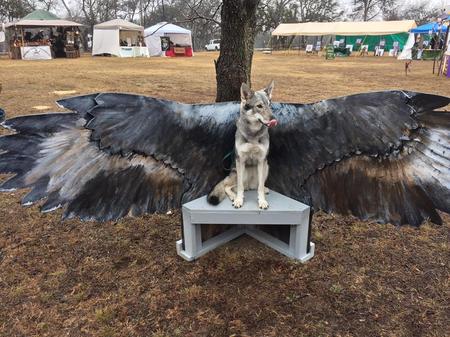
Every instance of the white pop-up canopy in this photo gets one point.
(108, 36)
(344, 28)
(178, 36)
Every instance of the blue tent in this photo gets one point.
(426, 28)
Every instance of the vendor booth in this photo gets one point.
(429, 40)
(41, 35)
(166, 39)
(119, 38)
(370, 34)
(426, 42)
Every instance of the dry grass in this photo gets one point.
(125, 279)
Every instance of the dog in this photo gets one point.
(251, 149)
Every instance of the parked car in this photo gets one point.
(213, 45)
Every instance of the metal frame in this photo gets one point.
(282, 211)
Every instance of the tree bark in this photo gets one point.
(238, 29)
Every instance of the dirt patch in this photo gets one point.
(124, 278)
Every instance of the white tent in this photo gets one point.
(107, 37)
(178, 36)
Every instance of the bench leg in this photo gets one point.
(298, 243)
(192, 239)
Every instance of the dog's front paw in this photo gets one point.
(263, 204)
(238, 202)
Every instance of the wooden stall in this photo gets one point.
(41, 35)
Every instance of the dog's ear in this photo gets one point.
(269, 89)
(246, 92)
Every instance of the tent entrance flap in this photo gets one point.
(106, 41)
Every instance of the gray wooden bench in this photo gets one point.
(247, 220)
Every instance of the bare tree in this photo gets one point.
(46, 4)
(318, 10)
(14, 9)
(66, 6)
(421, 12)
(367, 10)
(274, 12)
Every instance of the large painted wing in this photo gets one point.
(383, 156)
(118, 154)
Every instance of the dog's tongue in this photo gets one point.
(272, 123)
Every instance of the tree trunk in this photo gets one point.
(238, 29)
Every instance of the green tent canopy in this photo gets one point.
(41, 18)
(374, 40)
(40, 14)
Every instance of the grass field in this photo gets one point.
(124, 278)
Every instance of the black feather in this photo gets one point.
(15, 163)
(53, 202)
(27, 145)
(38, 192)
(80, 104)
(425, 102)
(112, 195)
(42, 124)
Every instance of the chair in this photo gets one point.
(318, 47)
(358, 44)
(396, 48)
(379, 50)
(349, 47)
(309, 49)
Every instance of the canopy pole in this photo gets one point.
(442, 57)
(361, 46)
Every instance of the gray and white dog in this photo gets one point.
(251, 149)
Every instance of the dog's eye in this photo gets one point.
(259, 106)
(247, 107)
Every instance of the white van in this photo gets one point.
(213, 45)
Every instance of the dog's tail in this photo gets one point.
(217, 194)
